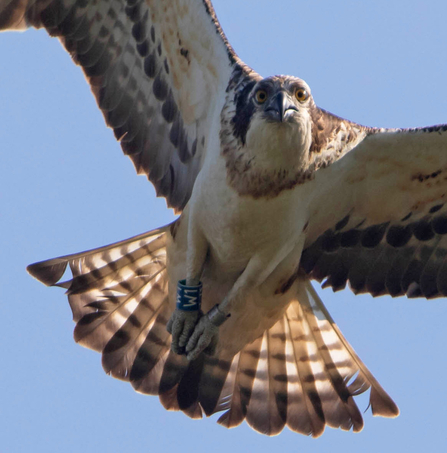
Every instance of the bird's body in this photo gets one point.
(234, 232)
(273, 192)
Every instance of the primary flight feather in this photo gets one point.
(273, 192)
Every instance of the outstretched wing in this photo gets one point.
(158, 70)
(378, 217)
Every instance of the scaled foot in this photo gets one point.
(204, 338)
(181, 327)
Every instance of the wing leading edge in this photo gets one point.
(379, 218)
(157, 86)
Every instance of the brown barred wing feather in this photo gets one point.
(301, 373)
(156, 85)
(378, 219)
(118, 295)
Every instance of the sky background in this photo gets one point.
(66, 187)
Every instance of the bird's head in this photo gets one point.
(280, 99)
(273, 121)
(266, 134)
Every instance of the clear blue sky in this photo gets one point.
(66, 187)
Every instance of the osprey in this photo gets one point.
(273, 192)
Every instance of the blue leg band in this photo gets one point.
(189, 298)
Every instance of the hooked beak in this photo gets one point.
(280, 107)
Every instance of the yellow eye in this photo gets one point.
(261, 96)
(301, 94)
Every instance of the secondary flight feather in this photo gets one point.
(272, 192)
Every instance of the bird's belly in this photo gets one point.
(268, 236)
(243, 228)
(238, 243)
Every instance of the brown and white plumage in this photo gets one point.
(300, 373)
(139, 75)
(384, 244)
(122, 308)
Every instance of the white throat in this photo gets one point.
(279, 145)
(275, 156)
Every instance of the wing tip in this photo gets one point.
(48, 272)
(382, 405)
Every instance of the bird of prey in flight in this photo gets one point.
(216, 312)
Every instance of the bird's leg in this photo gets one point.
(189, 292)
(259, 268)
